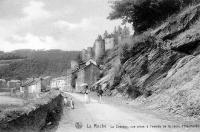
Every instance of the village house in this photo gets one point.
(59, 83)
(3, 83)
(46, 83)
(14, 84)
(86, 73)
(31, 88)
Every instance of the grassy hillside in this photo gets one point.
(21, 64)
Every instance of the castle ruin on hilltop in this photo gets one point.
(106, 42)
(88, 69)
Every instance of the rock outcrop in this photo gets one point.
(166, 65)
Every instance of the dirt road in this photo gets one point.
(96, 117)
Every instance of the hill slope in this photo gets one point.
(163, 66)
(31, 63)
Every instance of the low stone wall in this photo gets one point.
(34, 116)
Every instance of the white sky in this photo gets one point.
(49, 24)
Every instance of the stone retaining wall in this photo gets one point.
(34, 116)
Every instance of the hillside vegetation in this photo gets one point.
(145, 14)
(21, 64)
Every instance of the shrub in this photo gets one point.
(145, 14)
(133, 92)
(147, 93)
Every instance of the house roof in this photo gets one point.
(86, 64)
(91, 61)
(60, 78)
(102, 80)
(15, 81)
(46, 77)
(3, 80)
(31, 81)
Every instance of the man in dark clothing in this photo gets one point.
(100, 92)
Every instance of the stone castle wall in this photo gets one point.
(109, 43)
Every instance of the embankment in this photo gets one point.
(34, 116)
(160, 69)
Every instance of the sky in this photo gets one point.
(53, 24)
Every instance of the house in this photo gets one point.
(3, 83)
(87, 73)
(14, 84)
(46, 83)
(31, 88)
(59, 83)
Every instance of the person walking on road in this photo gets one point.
(71, 103)
(87, 98)
(100, 92)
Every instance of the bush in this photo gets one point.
(133, 92)
(147, 93)
(145, 14)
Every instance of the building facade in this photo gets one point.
(3, 83)
(89, 73)
(14, 84)
(109, 43)
(59, 83)
(31, 88)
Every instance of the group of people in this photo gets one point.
(99, 93)
(70, 103)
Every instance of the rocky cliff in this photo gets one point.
(163, 66)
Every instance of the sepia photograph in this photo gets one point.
(99, 65)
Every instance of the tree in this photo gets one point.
(144, 14)
(1, 52)
(73, 80)
(79, 59)
(125, 32)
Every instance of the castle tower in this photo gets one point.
(99, 48)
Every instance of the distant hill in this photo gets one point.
(21, 64)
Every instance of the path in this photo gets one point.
(95, 117)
